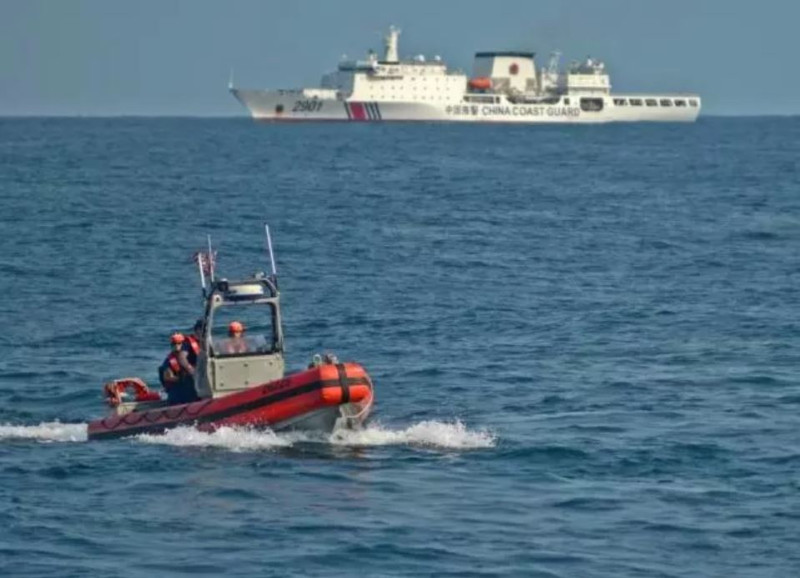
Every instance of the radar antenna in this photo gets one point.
(552, 66)
(390, 41)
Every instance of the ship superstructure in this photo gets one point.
(505, 86)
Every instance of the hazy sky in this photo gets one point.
(173, 57)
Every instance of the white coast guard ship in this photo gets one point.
(504, 87)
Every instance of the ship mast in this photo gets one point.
(549, 77)
(390, 41)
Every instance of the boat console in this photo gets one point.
(222, 368)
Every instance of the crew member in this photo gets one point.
(236, 343)
(169, 370)
(175, 373)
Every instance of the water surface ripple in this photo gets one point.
(584, 342)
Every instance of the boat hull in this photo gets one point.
(297, 105)
(317, 399)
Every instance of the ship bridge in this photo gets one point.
(589, 76)
(391, 79)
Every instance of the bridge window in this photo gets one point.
(591, 104)
(693, 102)
(666, 102)
(636, 102)
(651, 102)
(620, 102)
(680, 103)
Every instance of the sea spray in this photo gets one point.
(45, 432)
(434, 434)
(430, 434)
(237, 439)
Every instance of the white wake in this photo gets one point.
(434, 434)
(231, 438)
(45, 432)
(428, 434)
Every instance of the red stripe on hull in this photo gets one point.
(358, 111)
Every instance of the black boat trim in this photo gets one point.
(343, 382)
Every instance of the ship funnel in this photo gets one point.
(390, 42)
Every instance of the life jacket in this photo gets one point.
(171, 363)
(194, 344)
(192, 348)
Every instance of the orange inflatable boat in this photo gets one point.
(230, 371)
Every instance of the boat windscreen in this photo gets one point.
(240, 330)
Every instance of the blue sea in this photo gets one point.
(584, 341)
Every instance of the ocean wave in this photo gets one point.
(46, 432)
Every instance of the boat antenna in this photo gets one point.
(200, 266)
(269, 250)
(210, 261)
(230, 80)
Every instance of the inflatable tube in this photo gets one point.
(268, 405)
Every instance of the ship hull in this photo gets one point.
(296, 105)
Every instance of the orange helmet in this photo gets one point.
(235, 327)
(176, 338)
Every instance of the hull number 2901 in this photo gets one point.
(313, 105)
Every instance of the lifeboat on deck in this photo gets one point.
(243, 385)
(480, 83)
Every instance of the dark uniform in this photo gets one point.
(180, 389)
